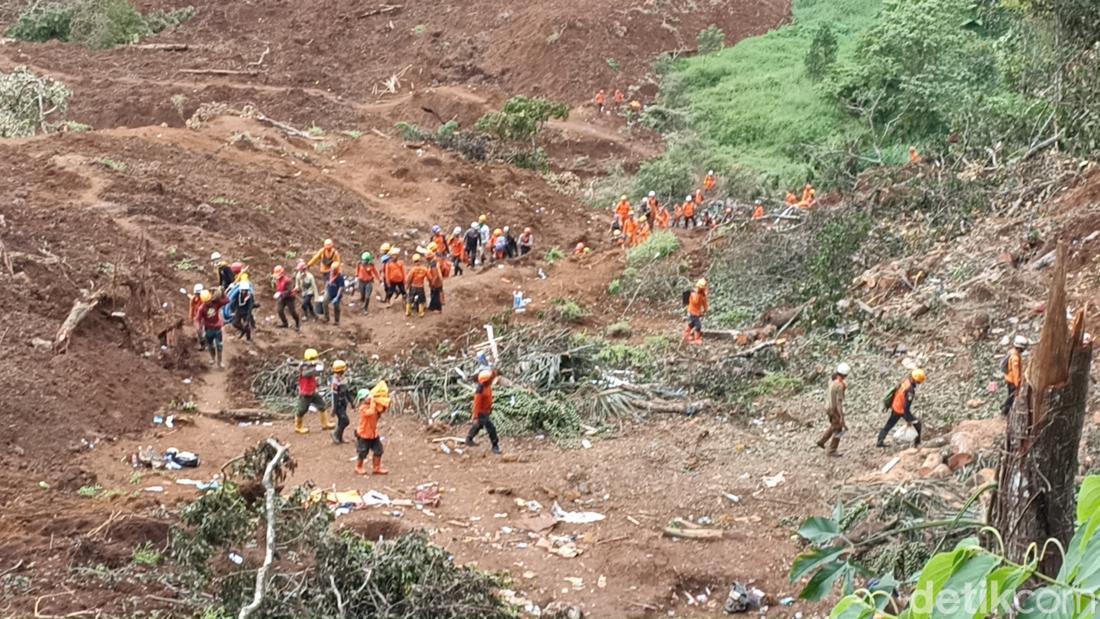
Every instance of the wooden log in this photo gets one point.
(249, 72)
(81, 308)
(688, 530)
(385, 8)
(163, 47)
(244, 414)
(1036, 494)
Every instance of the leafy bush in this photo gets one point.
(553, 255)
(666, 176)
(615, 288)
(822, 54)
(160, 20)
(568, 310)
(102, 24)
(521, 119)
(619, 329)
(42, 22)
(21, 94)
(711, 40)
(660, 245)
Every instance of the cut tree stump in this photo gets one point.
(81, 307)
(1036, 495)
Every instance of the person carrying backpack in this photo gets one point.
(900, 402)
(1012, 366)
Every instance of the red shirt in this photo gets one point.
(285, 286)
(210, 315)
(307, 380)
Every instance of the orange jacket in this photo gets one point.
(697, 303)
(1015, 375)
(643, 232)
(458, 247)
(630, 228)
(483, 397)
(808, 195)
(445, 268)
(435, 276)
(618, 97)
(327, 257)
(678, 211)
(368, 420)
(440, 243)
(366, 272)
(193, 310)
(395, 272)
(689, 209)
(791, 199)
(601, 98)
(709, 182)
(758, 213)
(903, 397)
(622, 209)
(662, 217)
(698, 196)
(417, 276)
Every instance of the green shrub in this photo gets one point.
(102, 24)
(568, 310)
(711, 40)
(660, 245)
(615, 288)
(160, 20)
(666, 176)
(521, 119)
(411, 132)
(822, 54)
(618, 329)
(42, 22)
(146, 555)
(21, 94)
(553, 255)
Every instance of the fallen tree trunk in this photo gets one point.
(244, 414)
(269, 514)
(81, 308)
(219, 72)
(163, 47)
(1036, 496)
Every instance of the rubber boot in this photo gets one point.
(378, 470)
(326, 421)
(408, 309)
(916, 441)
(360, 467)
(687, 334)
(336, 314)
(218, 357)
(300, 425)
(420, 312)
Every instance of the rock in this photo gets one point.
(931, 461)
(974, 403)
(962, 443)
(561, 610)
(940, 472)
(1007, 259)
(959, 460)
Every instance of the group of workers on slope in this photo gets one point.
(899, 399)
(321, 297)
(371, 404)
(617, 102)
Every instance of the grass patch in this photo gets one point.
(111, 164)
(619, 329)
(89, 492)
(553, 255)
(146, 555)
(568, 310)
(660, 245)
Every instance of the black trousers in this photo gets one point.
(308, 310)
(286, 305)
(471, 253)
(484, 422)
(893, 421)
(417, 298)
(1010, 400)
(340, 409)
(457, 264)
(395, 290)
(435, 299)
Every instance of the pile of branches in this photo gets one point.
(319, 572)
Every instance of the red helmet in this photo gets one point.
(236, 267)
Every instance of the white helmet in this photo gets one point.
(457, 231)
(198, 288)
(506, 228)
(1020, 341)
(653, 194)
(473, 224)
(843, 369)
(214, 257)
(689, 197)
(710, 173)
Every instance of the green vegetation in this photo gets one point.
(615, 288)
(90, 492)
(146, 555)
(569, 311)
(99, 24)
(553, 255)
(521, 119)
(27, 102)
(618, 329)
(711, 40)
(660, 245)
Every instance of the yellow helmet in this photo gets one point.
(498, 232)
(702, 283)
(394, 251)
(339, 366)
(385, 248)
(205, 296)
(433, 246)
(243, 277)
(416, 257)
(311, 354)
(622, 198)
(483, 218)
(918, 376)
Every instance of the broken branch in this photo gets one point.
(269, 509)
(81, 308)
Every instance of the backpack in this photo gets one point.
(888, 401)
(1004, 363)
(686, 297)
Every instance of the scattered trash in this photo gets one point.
(174, 458)
(905, 434)
(236, 558)
(201, 485)
(427, 494)
(678, 527)
(542, 274)
(43, 485)
(531, 506)
(578, 583)
(891, 464)
(187, 381)
(787, 601)
(585, 443)
(519, 302)
(564, 546)
(443, 447)
(574, 517)
(374, 498)
(704, 520)
(155, 489)
(742, 599)
(733, 498)
(775, 480)
(157, 420)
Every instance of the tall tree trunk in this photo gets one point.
(1037, 480)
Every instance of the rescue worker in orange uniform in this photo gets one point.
(697, 307)
(630, 230)
(900, 406)
(439, 240)
(435, 283)
(677, 215)
(367, 440)
(758, 212)
(622, 209)
(791, 199)
(601, 100)
(709, 182)
(834, 410)
(365, 276)
(326, 257)
(808, 200)
(618, 98)
(483, 408)
(661, 217)
(457, 246)
(698, 197)
(914, 156)
(1013, 367)
(394, 272)
(643, 231)
(193, 316)
(309, 399)
(418, 277)
(689, 212)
